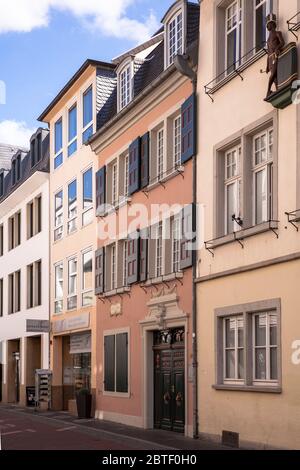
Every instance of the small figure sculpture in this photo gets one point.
(275, 45)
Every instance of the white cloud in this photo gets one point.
(107, 16)
(15, 133)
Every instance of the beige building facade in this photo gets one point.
(249, 265)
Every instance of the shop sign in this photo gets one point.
(80, 343)
(69, 324)
(37, 326)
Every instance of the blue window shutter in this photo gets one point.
(133, 244)
(100, 189)
(134, 166)
(188, 236)
(188, 129)
(145, 160)
(99, 271)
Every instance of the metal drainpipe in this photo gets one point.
(183, 66)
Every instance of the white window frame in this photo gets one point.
(70, 142)
(72, 295)
(61, 150)
(177, 47)
(255, 8)
(114, 183)
(58, 300)
(267, 347)
(87, 212)
(113, 278)
(91, 123)
(84, 289)
(114, 393)
(160, 145)
(176, 243)
(238, 26)
(72, 211)
(125, 87)
(159, 250)
(266, 166)
(177, 141)
(233, 179)
(236, 349)
(58, 218)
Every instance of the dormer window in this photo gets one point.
(16, 170)
(124, 86)
(175, 37)
(36, 149)
(1, 183)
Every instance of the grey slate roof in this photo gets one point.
(152, 66)
(26, 169)
(6, 154)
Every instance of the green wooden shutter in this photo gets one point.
(109, 363)
(122, 363)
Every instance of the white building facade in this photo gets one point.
(24, 269)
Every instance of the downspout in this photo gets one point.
(184, 65)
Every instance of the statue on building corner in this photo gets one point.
(275, 45)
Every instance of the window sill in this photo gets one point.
(159, 182)
(249, 388)
(116, 394)
(164, 278)
(242, 234)
(114, 292)
(114, 208)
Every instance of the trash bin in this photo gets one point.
(30, 396)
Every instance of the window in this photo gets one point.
(233, 348)
(176, 244)
(116, 363)
(159, 250)
(13, 172)
(175, 37)
(261, 10)
(72, 130)
(39, 147)
(113, 282)
(232, 189)
(233, 38)
(1, 297)
(33, 152)
(58, 223)
(248, 346)
(34, 284)
(87, 195)
(59, 288)
(177, 141)
(14, 231)
(72, 207)
(125, 87)
(14, 292)
(263, 176)
(34, 217)
(87, 115)
(160, 153)
(265, 347)
(58, 143)
(72, 284)
(1, 240)
(125, 260)
(18, 168)
(87, 275)
(114, 194)
(1, 184)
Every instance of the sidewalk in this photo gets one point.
(169, 440)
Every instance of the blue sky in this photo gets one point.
(42, 46)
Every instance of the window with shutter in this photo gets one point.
(99, 271)
(134, 166)
(188, 129)
(122, 363)
(100, 190)
(188, 228)
(132, 258)
(143, 261)
(145, 160)
(109, 363)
